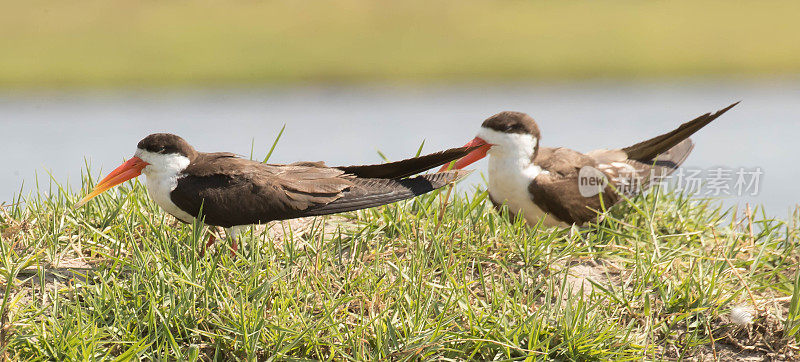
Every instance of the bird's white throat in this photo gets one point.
(510, 153)
(161, 177)
(162, 164)
(511, 171)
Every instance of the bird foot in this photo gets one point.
(234, 247)
(211, 239)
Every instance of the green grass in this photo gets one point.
(118, 279)
(207, 42)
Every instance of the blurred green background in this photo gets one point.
(90, 78)
(163, 43)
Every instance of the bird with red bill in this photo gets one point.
(559, 186)
(233, 192)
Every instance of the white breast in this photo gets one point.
(508, 183)
(162, 174)
(159, 189)
(511, 171)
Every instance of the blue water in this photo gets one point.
(56, 130)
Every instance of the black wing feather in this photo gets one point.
(648, 150)
(407, 167)
(367, 193)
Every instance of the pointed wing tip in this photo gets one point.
(721, 111)
(708, 117)
(456, 175)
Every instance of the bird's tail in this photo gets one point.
(648, 150)
(407, 167)
(662, 166)
(371, 192)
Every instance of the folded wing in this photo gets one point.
(234, 191)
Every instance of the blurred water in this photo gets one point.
(55, 130)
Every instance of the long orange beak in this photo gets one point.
(124, 172)
(473, 156)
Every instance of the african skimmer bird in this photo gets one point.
(567, 185)
(234, 192)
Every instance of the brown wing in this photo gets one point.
(557, 192)
(562, 162)
(650, 149)
(234, 191)
(371, 192)
(631, 170)
(633, 176)
(655, 158)
(663, 165)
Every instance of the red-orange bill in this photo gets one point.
(124, 172)
(473, 156)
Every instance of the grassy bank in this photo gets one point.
(658, 278)
(101, 43)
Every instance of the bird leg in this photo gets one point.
(233, 234)
(212, 237)
(234, 246)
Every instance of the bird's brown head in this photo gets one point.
(166, 143)
(510, 122)
(508, 132)
(159, 153)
